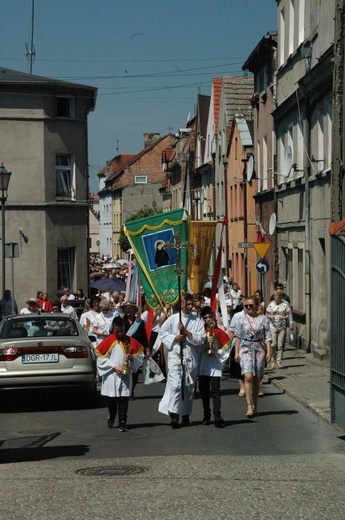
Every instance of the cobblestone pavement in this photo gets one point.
(215, 487)
(272, 487)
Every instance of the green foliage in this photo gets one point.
(143, 212)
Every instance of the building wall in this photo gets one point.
(149, 164)
(264, 70)
(93, 230)
(106, 224)
(320, 262)
(303, 119)
(241, 212)
(41, 223)
(117, 223)
(137, 197)
(127, 196)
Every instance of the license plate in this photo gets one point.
(40, 358)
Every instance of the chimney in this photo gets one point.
(149, 139)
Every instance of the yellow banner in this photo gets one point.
(201, 239)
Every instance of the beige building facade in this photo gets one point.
(303, 122)
(43, 142)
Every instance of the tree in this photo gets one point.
(143, 212)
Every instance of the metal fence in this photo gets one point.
(338, 330)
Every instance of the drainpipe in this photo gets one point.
(245, 229)
(214, 183)
(307, 276)
(214, 205)
(87, 198)
(225, 163)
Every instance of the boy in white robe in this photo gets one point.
(113, 354)
(213, 356)
(190, 332)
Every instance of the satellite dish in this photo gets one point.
(250, 169)
(287, 162)
(272, 224)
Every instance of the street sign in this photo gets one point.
(261, 248)
(12, 250)
(262, 266)
(245, 244)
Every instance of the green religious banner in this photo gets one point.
(159, 243)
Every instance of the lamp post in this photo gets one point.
(4, 182)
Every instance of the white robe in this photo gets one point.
(113, 384)
(212, 365)
(171, 401)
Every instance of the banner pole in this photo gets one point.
(178, 245)
(178, 269)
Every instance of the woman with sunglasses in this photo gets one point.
(252, 350)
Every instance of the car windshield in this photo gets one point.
(38, 326)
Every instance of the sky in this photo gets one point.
(149, 59)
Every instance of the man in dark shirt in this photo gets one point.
(280, 287)
(8, 304)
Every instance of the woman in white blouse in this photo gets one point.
(103, 320)
(236, 297)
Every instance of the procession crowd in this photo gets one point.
(189, 344)
(105, 266)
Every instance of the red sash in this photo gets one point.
(107, 345)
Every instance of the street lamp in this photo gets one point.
(4, 182)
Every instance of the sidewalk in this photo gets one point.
(305, 378)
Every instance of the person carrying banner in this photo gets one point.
(213, 356)
(181, 332)
(118, 356)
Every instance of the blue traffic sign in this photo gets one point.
(262, 266)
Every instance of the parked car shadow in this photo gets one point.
(32, 448)
(48, 400)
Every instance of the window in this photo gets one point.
(328, 134)
(141, 179)
(264, 164)
(65, 266)
(64, 107)
(299, 149)
(319, 153)
(281, 33)
(301, 8)
(300, 289)
(259, 166)
(241, 195)
(65, 182)
(291, 36)
(174, 199)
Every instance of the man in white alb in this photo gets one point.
(190, 334)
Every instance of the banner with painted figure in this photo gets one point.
(150, 238)
(201, 238)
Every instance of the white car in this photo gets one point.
(47, 350)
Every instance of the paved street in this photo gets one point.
(283, 426)
(59, 460)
